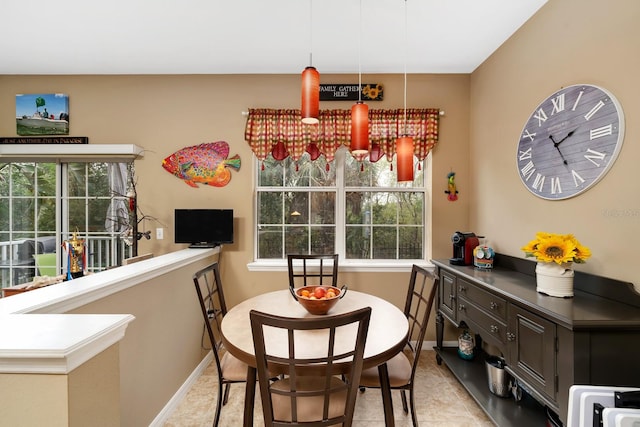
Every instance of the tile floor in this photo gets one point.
(440, 401)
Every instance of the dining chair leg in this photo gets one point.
(385, 389)
(404, 401)
(216, 418)
(412, 404)
(249, 397)
(226, 394)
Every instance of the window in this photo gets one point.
(356, 209)
(44, 203)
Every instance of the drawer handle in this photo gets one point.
(511, 336)
(462, 288)
(493, 305)
(494, 329)
(462, 307)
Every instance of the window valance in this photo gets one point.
(281, 132)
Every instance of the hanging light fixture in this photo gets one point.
(310, 83)
(404, 144)
(360, 110)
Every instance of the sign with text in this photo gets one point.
(45, 140)
(349, 92)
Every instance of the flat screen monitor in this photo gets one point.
(203, 228)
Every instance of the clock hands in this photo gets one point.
(555, 144)
(559, 142)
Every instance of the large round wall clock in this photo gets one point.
(570, 142)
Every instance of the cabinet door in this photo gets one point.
(531, 350)
(447, 296)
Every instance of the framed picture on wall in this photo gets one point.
(42, 114)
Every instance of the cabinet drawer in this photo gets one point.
(488, 301)
(493, 330)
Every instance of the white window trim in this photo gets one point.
(357, 266)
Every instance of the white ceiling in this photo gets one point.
(253, 36)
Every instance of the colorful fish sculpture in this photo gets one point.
(205, 163)
(451, 187)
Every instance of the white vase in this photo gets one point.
(554, 279)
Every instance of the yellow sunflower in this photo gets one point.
(558, 248)
(555, 249)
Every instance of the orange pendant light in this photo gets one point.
(310, 110)
(310, 95)
(360, 128)
(404, 158)
(359, 111)
(404, 144)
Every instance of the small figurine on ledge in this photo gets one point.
(76, 256)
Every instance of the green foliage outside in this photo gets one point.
(297, 210)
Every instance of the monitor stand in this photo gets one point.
(203, 245)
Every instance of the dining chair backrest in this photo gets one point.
(212, 303)
(423, 286)
(319, 387)
(307, 270)
(213, 306)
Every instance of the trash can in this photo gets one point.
(499, 379)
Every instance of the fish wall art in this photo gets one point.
(205, 164)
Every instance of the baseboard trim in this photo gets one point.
(175, 400)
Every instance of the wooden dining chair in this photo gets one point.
(211, 297)
(423, 286)
(316, 389)
(305, 270)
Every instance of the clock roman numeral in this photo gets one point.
(528, 170)
(594, 110)
(555, 186)
(538, 182)
(524, 155)
(600, 132)
(576, 178)
(541, 116)
(575, 104)
(528, 134)
(593, 155)
(558, 104)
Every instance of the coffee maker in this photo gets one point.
(463, 245)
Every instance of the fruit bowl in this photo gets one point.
(315, 300)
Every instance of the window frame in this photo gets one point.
(65, 154)
(355, 265)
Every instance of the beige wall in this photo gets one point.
(567, 42)
(161, 347)
(165, 113)
(88, 395)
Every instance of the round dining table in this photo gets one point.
(386, 337)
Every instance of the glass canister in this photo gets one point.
(466, 345)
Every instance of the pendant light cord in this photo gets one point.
(406, 41)
(360, 56)
(311, 33)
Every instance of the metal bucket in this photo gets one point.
(499, 379)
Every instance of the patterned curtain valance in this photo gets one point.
(282, 133)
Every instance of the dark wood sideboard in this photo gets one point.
(548, 343)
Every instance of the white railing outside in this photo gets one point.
(17, 264)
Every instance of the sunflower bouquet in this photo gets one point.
(558, 248)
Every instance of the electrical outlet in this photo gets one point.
(159, 233)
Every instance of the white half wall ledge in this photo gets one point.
(70, 152)
(56, 343)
